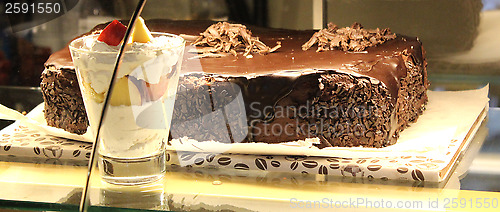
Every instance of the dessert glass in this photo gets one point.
(136, 125)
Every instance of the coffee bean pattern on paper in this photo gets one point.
(411, 168)
(24, 142)
(20, 141)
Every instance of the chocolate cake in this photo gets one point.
(346, 86)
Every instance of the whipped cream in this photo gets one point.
(135, 131)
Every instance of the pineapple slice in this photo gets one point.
(140, 32)
(125, 93)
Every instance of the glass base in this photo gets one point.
(132, 171)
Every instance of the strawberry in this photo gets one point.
(113, 33)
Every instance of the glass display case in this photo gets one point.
(40, 171)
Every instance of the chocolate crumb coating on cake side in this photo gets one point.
(63, 103)
(363, 96)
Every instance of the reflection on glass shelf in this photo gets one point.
(484, 170)
(492, 144)
(486, 163)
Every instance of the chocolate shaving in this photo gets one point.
(224, 37)
(189, 37)
(353, 38)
